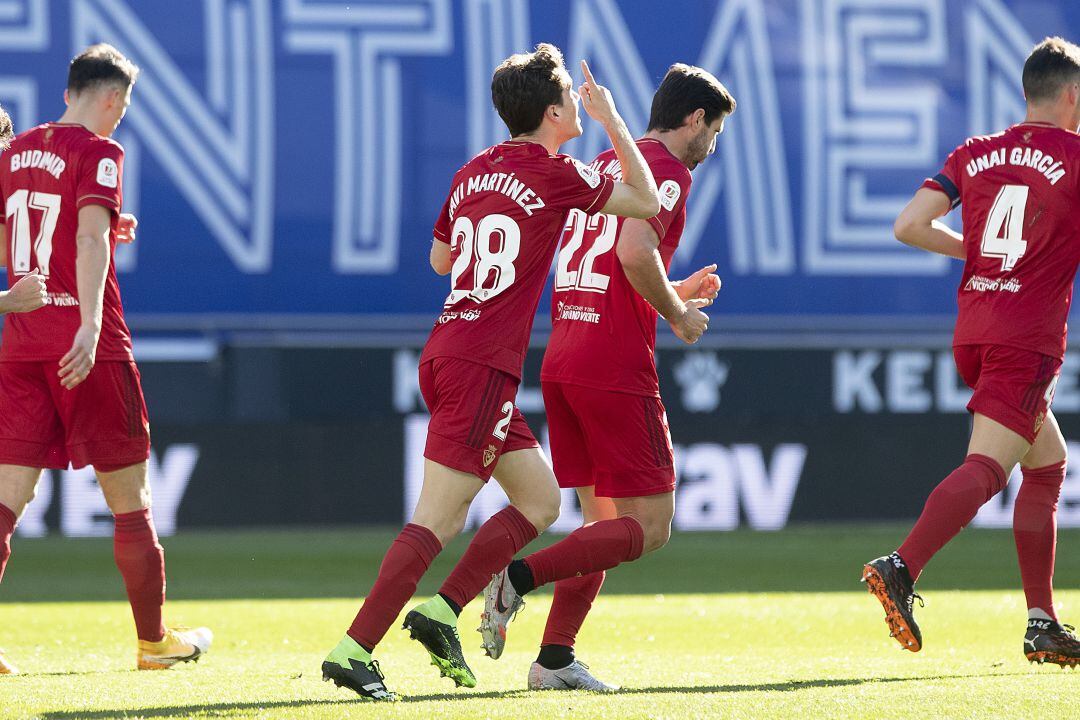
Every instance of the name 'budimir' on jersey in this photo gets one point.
(504, 183)
(40, 159)
(1033, 158)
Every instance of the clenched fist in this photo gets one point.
(27, 294)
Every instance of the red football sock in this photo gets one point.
(491, 549)
(1035, 532)
(573, 600)
(950, 507)
(589, 549)
(7, 528)
(404, 564)
(142, 564)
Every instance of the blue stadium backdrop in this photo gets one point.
(287, 159)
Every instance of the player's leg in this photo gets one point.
(556, 665)
(17, 487)
(1012, 394)
(628, 438)
(141, 561)
(31, 438)
(439, 516)
(1035, 517)
(454, 472)
(526, 477)
(950, 507)
(1035, 532)
(106, 426)
(992, 452)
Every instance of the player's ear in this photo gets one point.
(695, 120)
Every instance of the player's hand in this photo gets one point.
(595, 98)
(702, 284)
(125, 228)
(27, 294)
(76, 365)
(692, 323)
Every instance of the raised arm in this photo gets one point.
(917, 225)
(91, 269)
(636, 195)
(644, 268)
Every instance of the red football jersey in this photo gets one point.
(1020, 191)
(603, 332)
(503, 219)
(46, 176)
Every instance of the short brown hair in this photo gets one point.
(684, 89)
(525, 85)
(7, 130)
(100, 64)
(1053, 63)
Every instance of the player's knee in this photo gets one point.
(657, 527)
(542, 509)
(657, 535)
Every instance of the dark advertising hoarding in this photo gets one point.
(274, 436)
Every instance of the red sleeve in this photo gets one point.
(442, 223)
(673, 182)
(573, 185)
(100, 177)
(948, 180)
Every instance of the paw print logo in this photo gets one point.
(701, 374)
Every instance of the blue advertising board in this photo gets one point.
(287, 158)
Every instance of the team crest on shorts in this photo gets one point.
(1039, 420)
(489, 455)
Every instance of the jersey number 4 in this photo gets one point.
(1005, 225)
(19, 205)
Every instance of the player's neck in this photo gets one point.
(1060, 118)
(79, 116)
(672, 140)
(541, 136)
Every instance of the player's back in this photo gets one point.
(603, 331)
(503, 219)
(1020, 191)
(46, 176)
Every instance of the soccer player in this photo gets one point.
(69, 388)
(608, 427)
(496, 235)
(1020, 191)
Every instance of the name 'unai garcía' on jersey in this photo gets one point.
(504, 183)
(40, 159)
(1033, 158)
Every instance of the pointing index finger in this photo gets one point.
(588, 74)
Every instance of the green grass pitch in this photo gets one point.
(736, 625)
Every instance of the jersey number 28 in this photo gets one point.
(489, 250)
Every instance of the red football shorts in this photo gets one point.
(473, 416)
(618, 442)
(100, 422)
(1012, 386)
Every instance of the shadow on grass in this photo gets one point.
(227, 709)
